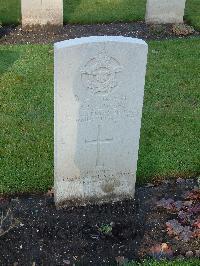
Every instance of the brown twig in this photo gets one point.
(3, 218)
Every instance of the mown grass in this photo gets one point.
(83, 11)
(26, 141)
(193, 262)
(170, 127)
(98, 11)
(192, 13)
(10, 12)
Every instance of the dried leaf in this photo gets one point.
(166, 203)
(197, 223)
(180, 232)
(195, 209)
(182, 29)
(161, 251)
(174, 227)
(180, 180)
(188, 203)
(3, 200)
(184, 217)
(189, 254)
(196, 233)
(67, 262)
(50, 193)
(193, 195)
(171, 205)
(120, 260)
(178, 205)
(186, 234)
(197, 253)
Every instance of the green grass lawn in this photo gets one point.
(10, 12)
(82, 11)
(194, 262)
(192, 13)
(170, 127)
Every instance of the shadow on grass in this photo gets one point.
(85, 12)
(192, 13)
(10, 12)
(7, 59)
(69, 10)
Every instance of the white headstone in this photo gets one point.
(42, 12)
(99, 88)
(165, 11)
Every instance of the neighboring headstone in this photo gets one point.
(165, 11)
(42, 12)
(99, 87)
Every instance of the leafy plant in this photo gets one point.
(157, 29)
(106, 229)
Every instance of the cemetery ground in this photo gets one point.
(163, 220)
(33, 232)
(100, 11)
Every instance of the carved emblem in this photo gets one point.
(99, 74)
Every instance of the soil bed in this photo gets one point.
(15, 35)
(90, 235)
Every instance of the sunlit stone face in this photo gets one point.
(42, 12)
(165, 11)
(99, 88)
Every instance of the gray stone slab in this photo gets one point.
(42, 12)
(99, 88)
(165, 11)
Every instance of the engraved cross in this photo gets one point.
(98, 142)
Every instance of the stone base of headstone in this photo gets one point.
(75, 193)
(99, 89)
(42, 13)
(165, 11)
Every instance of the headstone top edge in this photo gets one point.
(98, 39)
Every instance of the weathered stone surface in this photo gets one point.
(165, 11)
(42, 12)
(99, 87)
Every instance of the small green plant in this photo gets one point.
(157, 29)
(106, 229)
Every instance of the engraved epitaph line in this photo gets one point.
(98, 142)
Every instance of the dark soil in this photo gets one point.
(42, 235)
(15, 35)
